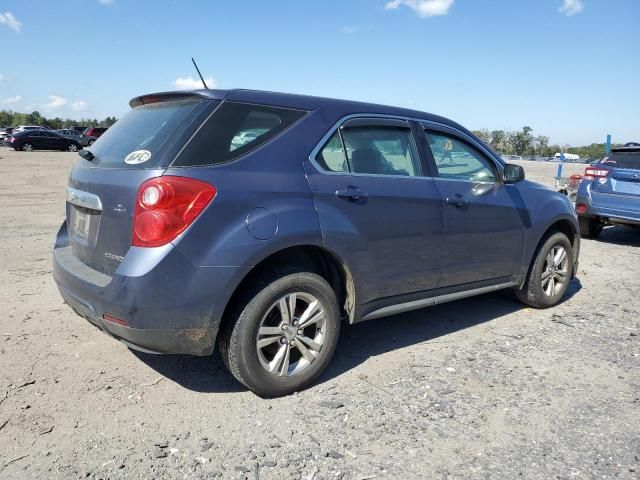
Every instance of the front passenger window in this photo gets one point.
(456, 160)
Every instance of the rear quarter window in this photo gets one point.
(235, 129)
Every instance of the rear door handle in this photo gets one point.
(351, 194)
(457, 201)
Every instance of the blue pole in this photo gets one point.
(560, 164)
(608, 146)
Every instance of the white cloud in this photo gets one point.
(108, 3)
(571, 7)
(55, 103)
(11, 100)
(79, 106)
(190, 83)
(423, 8)
(10, 21)
(348, 29)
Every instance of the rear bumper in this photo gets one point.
(169, 307)
(189, 341)
(612, 208)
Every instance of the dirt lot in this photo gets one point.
(481, 388)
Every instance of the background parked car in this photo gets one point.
(30, 140)
(22, 128)
(5, 133)
(70, 133)
(78, 128)
(91, 134)
(610, 192)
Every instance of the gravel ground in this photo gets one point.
(481, 388)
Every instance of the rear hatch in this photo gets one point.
(624, 173)
(101, 192)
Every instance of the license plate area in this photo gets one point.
(84, 224)
(626, 186)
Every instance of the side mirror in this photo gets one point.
(513, 173)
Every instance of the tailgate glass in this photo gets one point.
(140, 137)
(626, 160)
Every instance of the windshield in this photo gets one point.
(137, 140)
(629, 160)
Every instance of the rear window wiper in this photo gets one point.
(86, 154)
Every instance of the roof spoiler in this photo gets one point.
(173, 96)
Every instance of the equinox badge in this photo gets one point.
(111, 256)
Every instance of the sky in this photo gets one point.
(570, 69)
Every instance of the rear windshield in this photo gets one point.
(137, 140)
(622, 160)
(233, 130)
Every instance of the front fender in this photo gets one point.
(545, 209)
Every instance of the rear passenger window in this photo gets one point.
(380, 150)
(332, 157)
(233, 130)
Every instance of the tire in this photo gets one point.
(72, 147)
(548, 280)
(91, 142)
(589, 227)
(27, 147)
(261, 311)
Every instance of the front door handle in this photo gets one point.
(351, 193)
(457, 201)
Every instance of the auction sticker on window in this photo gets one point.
(137, 157)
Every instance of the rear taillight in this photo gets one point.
(590, 173)
(12, 139)
(581, 208)
(166, 206)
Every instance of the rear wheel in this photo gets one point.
(284, 336)
(550, 273)
(589, 227)
(27, 147)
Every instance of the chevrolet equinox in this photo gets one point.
(261, 221)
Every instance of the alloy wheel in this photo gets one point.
(291, 334)
(72, 147)
(556, 271)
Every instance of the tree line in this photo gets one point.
(9, 118)
(525, 143)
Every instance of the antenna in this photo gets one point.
(198, 70)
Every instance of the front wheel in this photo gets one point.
(284, 336)
(550, 273)
(27, 147)
(72, 147)
(91, 142)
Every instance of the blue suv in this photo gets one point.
(261, 221)
(609, 194)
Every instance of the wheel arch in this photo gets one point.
(563, 225)
(311, 258)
